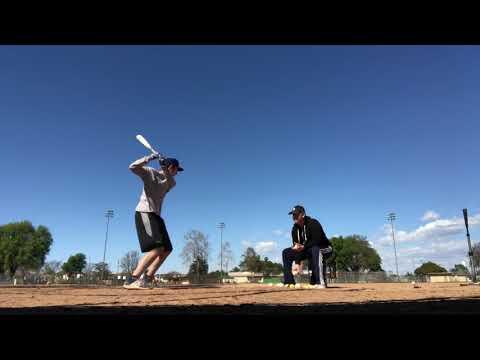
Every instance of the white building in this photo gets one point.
(243, 277)
(446, 277)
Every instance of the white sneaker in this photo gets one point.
(286, 285)
(138, 284)
(317, 286)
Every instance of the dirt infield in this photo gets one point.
(244, 299)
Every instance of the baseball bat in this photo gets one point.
(145, 143)
(465, 217)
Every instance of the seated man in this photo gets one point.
(309, 242)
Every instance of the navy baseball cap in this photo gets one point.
(174, 162)
(297, 209)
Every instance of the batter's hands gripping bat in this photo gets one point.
(149, 147)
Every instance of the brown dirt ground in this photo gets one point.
(248, 298)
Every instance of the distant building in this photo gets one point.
(243, 277)
(172, 278)
(446, 277)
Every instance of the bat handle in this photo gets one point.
(156, 152)
(160, 156)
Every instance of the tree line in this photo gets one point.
(24, 247)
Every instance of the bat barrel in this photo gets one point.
(465, 217)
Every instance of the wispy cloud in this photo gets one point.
(430, 215)
(282, 233)
(246, 243)
(263, 247)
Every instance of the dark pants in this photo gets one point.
(288, 255)
(317, 261)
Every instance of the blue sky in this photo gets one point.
(350, 132)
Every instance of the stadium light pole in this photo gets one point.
(108, 215)
(392, 217)
(221, 226)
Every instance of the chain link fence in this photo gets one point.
(371, 277)
(110, 280)
(119, 279)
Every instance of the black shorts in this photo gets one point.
(152, 232)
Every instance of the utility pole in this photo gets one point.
(392, 217)
(108, 215)
(221, 226)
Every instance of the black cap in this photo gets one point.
(174, 162)
(297, 209)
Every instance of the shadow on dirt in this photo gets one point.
(470, 306)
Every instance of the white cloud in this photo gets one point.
(430, 215)
(441, 241)
(433, 230)
(282, 233)
(446, 252)
(246, 243)
(265, 247)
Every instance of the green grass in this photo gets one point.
(272, 280)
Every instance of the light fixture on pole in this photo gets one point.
(108, 215)
(221, 226)
(392, 217)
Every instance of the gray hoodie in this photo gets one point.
(156, 184)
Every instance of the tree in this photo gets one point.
(409, 275)
(129, 262)
(172, 275)
(271, 268)
(51, 268)
(75, 264)
(459, 269)
(218, 273)
(354, 253)
(198, 267)
(23, 246)
(428, 268)
(102, 270)
(235, 269)
(196, 250)
(251, 261)
(89, 269)
(227, 256)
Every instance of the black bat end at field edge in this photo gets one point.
(465, 217)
